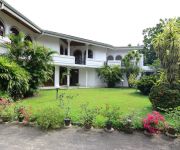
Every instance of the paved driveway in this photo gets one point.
(14, 137)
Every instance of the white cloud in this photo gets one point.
(116, 22)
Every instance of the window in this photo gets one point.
(2, 29)
(14, 31)
(28, 38)
(118, 57)
(110, 57)
(90, 53)
(61, 50)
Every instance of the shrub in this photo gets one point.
(13, 78)
(50, 118)
(110, 75)
(112, 115)
(146, 83)
(88, 115)
(174, 116)
(154, 122)
(7, 114)
(165, 96)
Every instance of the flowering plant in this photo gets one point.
(153, 122)
(22, 114)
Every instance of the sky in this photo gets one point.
(115, 22)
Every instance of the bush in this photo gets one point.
(154, 122)
(145, 84)
(13, 78)
(174, 116)
(165, 96)
(50, 118)
(110, 75)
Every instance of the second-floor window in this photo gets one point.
(90, 53)
(110, 57)
(118, 57)
(14, 31)
(2, 29)
(28, 38)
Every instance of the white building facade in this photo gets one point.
(78, 57)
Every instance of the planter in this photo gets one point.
(20, 119)
(128, 130)
(67, 122)
(148, 133)
(5, 119)
(171, 132)
(87, 126)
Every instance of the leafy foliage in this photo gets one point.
(149, 34)
(167, 46)
(174, 115)
(110, 75)
(146, 83)
(13, 78)
(165, 96)
(50, 118)
(130, 62)
(32, 57)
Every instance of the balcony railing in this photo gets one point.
(114, 62)
(94, 63)
(64, 60)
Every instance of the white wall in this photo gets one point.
(50, 42)
(93, 79)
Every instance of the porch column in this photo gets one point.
(7, 29)
(68, 77)
(69, 47)
(87, 47)
(86, 78)
(56, 77)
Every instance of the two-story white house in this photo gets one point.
(79, 57)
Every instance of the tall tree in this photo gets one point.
(167, 46)
(149, 34)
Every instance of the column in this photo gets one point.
(86, 78)
(69, 47)
(87, 47)
(68, 77)
(7, 29)
(56, 77)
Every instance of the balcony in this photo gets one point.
(94, 63)
(114, 62)
(63, 60)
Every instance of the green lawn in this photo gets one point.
(128, 100)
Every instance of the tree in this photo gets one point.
(110, 75)
(34, 58)
(130, 62)
(13, 78)
(149, 34)
(167, 46)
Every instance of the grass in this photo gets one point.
(128, 100)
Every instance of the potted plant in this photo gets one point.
(128, 126)
(153, 123)
(111, 114)
(22, 114)
(171, 132)
(65, 101)
(67, 119)
(88, 115)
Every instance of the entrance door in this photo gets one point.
(74, 77)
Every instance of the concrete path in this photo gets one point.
(14, 137)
